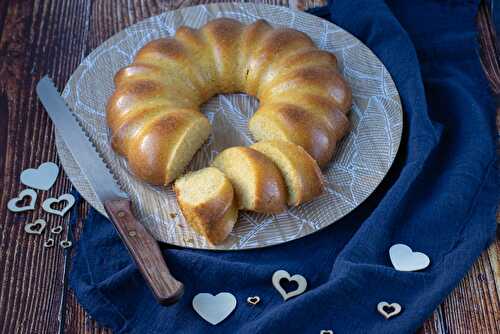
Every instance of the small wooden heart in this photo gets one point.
(12, 205)
(388, 310)
(212, 308)
(299, 279)
(51, 201)
(326, 331)
(42, 178)
(404, 259)
(36, 227)
(57, 229)
(65, 243)
(48, 243)
(253, 300)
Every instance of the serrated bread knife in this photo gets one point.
(142, 246)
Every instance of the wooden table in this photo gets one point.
(52, 37)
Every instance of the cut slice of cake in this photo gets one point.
(257, 182)
(206, 199)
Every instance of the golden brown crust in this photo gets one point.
(213, 218)
(149, 152)
(305, 180)
(268, 192)
(297, 83)
(300, 127)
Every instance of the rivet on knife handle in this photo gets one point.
(145, 251)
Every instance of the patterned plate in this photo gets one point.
(360, 164)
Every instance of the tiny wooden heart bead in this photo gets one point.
(48, 243)
(12, 204)
(65, 243)
(253, 300)
(36, 227)
(50, 201)
(57, 229)
(388, 310)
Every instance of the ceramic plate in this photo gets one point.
(361, 162)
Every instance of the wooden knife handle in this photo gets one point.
(145, 251)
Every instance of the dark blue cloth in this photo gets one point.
(440, 198)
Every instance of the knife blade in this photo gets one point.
(141, 245)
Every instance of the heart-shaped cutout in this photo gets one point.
(65, 243)
(212, 308)
(253, 300)
(326, 331)
(36, 227)
(388, 310)
(12, 204)
(404, 259)
(299, 279)
(48, 243)
(42, 178)
(51, 201)
(57, 229)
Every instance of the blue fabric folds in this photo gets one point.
(439, 198)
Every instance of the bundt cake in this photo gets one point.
(257, 182)
(154, 113)
(206, 199)
(300, 172)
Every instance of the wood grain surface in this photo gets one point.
(52, 37)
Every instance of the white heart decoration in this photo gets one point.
(301, 281)
(395, 306)
(57, 229)
(212, 308)
(404, 259)
(12, 205)
(326, 331)
(65, 243)
(42, 178)
(49, 201)
(253, 300)
(48, 243)
(36, 227)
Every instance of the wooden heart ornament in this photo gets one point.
(42, 178)
(299, 279)
(36, 227)
(12, 204)
(404, 259)
(253, 300)
(51, 201)
(212, 308)
(388, 310)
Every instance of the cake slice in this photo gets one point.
(257, 182)
(206, 199)
(300, 172)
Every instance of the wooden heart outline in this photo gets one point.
(42, 178)
(299, 279)
(65, 244)
(387, 315)
(56, 230)
(49, 243)
(49, 201)
(28, 228)
(253, 300)
(12, 204)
